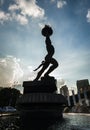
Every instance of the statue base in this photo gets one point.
(40, 100)
(45, 85)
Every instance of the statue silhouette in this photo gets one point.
(47, 31)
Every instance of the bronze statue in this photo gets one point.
(47, 32)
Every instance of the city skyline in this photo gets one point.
(22, 46)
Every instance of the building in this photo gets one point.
(64, 90)
(83, 85)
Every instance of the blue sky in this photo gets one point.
(22, 47)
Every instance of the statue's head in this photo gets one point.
(47, 31)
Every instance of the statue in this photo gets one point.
(47, 32)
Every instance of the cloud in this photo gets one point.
(60, 82)
(61, 3)
(13, 7)
(13, 70)
(4, 16)
(88, 16)
(21, 10)
(27, 8)
(10, 70)
(8, 17)
(20, 18)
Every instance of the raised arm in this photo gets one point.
(39, 65)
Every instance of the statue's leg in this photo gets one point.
(52, 67)
(46, 64)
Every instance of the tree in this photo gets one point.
(8, 96)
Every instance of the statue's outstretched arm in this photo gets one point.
(42, 63)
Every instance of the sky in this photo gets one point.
(22, 46)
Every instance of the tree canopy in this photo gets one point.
(8, 96)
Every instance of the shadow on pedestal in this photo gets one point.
(40, 100)
(45, 85)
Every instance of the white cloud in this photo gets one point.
(29, 8)
(13, 70)
(20, 18)
(26, 8)
(10, 70)
(4, 16)
(13, 7)
(88, 16)
(61, 3)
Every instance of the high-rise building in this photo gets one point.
(64, 90)
(82, 85)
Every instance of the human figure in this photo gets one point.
(48, 60)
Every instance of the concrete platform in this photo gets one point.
(45, 85)
(40, 99)
(41, 105)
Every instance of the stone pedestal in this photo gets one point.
(45, 85)
(40, 100)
